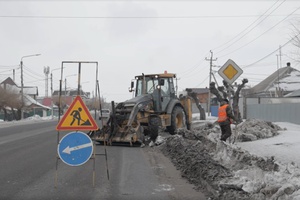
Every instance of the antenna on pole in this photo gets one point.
(46, 72)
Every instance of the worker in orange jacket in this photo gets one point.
(225, 118)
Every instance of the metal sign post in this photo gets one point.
(76, 148)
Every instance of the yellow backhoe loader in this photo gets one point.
(154, 105)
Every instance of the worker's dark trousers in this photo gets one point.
(226, 131)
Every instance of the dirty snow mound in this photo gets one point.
(249, 130)
(254, 129)
(193, 158)
(224, 171)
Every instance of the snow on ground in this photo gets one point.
(285, 147)
(33, 119)
(265, 167)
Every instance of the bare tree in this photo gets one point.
(296, 42)
(197, 102)
(10, 101)
(228, 91)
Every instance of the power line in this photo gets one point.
(109, 0)
(9, 66)
(8, 70)
(202, 82)
(272, 52)
(33, 72)
(39, 80)
(261, 34)
(130, 17)
(263, 15)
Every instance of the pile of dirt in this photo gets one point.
(224, 171)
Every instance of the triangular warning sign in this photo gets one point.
(77, 117)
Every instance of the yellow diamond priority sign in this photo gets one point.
(230, 71)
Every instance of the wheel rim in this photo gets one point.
(179, 121)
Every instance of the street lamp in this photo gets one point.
(22, 85)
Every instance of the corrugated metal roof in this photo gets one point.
(295, 93)
(269, 85)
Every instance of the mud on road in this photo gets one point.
(225, 171)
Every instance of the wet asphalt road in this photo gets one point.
(28, 153)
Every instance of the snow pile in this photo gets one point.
(254, 129)
(195, 160)
(249, 130)
(38, 118)
(34, 117)
(29, 120)
(225, 171)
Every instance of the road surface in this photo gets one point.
(28, 153)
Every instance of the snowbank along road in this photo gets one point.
(228, 171)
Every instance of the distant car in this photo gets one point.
(105, 113)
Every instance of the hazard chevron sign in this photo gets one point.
(77, 117)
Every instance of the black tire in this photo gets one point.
(154, 123)
(178, 120)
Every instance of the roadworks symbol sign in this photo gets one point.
(77, 117)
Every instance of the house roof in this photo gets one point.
(198, 90)
(71, 93)
(8, 81)
(286, 78)
(47, 101)
(9, 84)
(29, 101)
(295, 93)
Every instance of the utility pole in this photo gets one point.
(280, 54)
(65, 89)
(278, 91)
(210, 74)
(51, 78)
(22, 84)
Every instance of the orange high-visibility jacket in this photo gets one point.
(222, 115)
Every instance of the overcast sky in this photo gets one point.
(129, 38)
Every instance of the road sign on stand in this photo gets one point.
(230, 71)
(75, 148)
(77, 117)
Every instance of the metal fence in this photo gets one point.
(273, 109)
(269, 109)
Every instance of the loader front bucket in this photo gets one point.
(122, 136)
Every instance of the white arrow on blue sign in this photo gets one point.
(75, 148)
